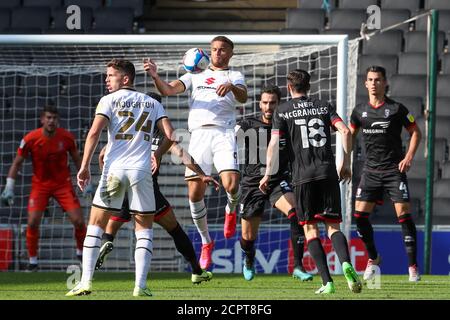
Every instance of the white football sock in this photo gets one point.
(143, 256)
(232, 201)
(198, 213)
(91, 251)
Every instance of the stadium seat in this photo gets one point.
(413, 104)
(356, 4)
(446, 170)
(10, 4)
(93, 4)
(440, 149)
(5, 19)
(305, 19)
(444, 22)
(418, 169)
(408, 85)
(314, 4)
(437, 4)
(42, 3)
(446, 63)
(416, 41)
(122, 17)
(412, 63)
(30, 18)
(411, 5)
(389, 62)
(136, 5)
(389, 42)
(347, 19)
(298, 31)
(442, 188)
(441, 207)
(394, 16)
(443, 106)
(60, 19)
(417, 188)
(442, 126)
(443, 85)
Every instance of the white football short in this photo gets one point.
(138, 185)
(213, 145)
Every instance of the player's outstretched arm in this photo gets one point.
(166, 89)
(416, 136)
(272, 161)
(7, 196)
(344, 171)
(84, 174)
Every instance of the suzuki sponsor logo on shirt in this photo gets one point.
(210, 80)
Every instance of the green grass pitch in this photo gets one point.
(177, 286)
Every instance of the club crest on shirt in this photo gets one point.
(364, 114)
(386, 113)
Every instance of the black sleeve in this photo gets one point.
(355, 121)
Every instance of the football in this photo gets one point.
(195, 60)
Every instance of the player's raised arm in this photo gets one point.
(272, 158)
(166, 89)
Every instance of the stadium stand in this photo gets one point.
(411, 5)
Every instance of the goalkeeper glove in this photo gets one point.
(7, 196)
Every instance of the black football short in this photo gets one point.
(373, 183)
(253, 201)
(319, 201)
(161, 204)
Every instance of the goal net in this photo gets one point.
(68, 72)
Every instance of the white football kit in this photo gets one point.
(212, 120)
(127, 164)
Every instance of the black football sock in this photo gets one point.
(184, 246)
(409, 237)
(340, 246)
(365, 233)
(248, 247)
(297, 238)
(318, 254)
(107, 237)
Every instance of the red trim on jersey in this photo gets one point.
(277, 132)
(378, 106)
(291, 215)
(411, 126)
(336, 121)
(158, 216)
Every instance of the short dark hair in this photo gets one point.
(272, 89)
(50, 109)
(154, 95)
(124, 66)
(299, 79)
(377, 69)
(223, 39)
